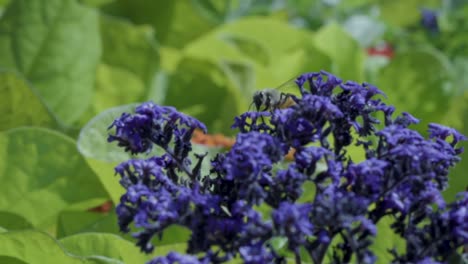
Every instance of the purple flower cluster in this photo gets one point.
(251, 197)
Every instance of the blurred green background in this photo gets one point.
(68, 67)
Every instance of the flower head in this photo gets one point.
(250, 196)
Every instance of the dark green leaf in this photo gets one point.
(176, 22)
(201, 89)
(403, 12)
(42, 173)
(346, 54)
(74, 222)
(108, 245)
(130, 47)
(37, 247)
(11, 260)
(416, 81)
(20, 104)
(12, 221)
(55, 45)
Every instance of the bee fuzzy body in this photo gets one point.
(281, 97)
(270, 99)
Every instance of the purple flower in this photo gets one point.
(307, 158)
(154, 124)
(256, 254)
(176, 258)
(443, 132)
(287, 186)
(247, 166)
(307, 121)
(439, 237)
(429, 20)
(293, 221)
(249, 121)
(367, 178)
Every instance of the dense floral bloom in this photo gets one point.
(153, 124)
(293, 221)
(247, 167)
(256, 254)
(249, 197)
(438, 239)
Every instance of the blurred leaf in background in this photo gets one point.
(43, 40)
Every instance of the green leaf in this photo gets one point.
(249, 47)
(20, 105)
(11, 260)
(106, 173)
(201, 89)
(12, 221)
(55, 44)
(130, 47)
(42, 174)
(109, 245)
(37, 247)
(415, 81)
(176, 22)
(115, 247)
(255, 40)
(116, 86)
(127, 72)
(74, 222)
(95, 3)
(386, 239)
(346, 54)
(79, 222)
(273, 52)
(403, 12)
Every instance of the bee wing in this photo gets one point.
(290, 87)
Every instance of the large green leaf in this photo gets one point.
(55, 44)
(257, 40)
(273, 50)
(127, 72)
(115, 247)
(74, 222)
(42, 174)
(129, 47)
(403, 12)
(20, 105)
(109, 245)
(346, 54)
(415, 81)
(201, 89)
(176, 22)
(116, 86)
(11, 221)
(37, 247)
(95, 2)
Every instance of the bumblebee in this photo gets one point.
(270, 99)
